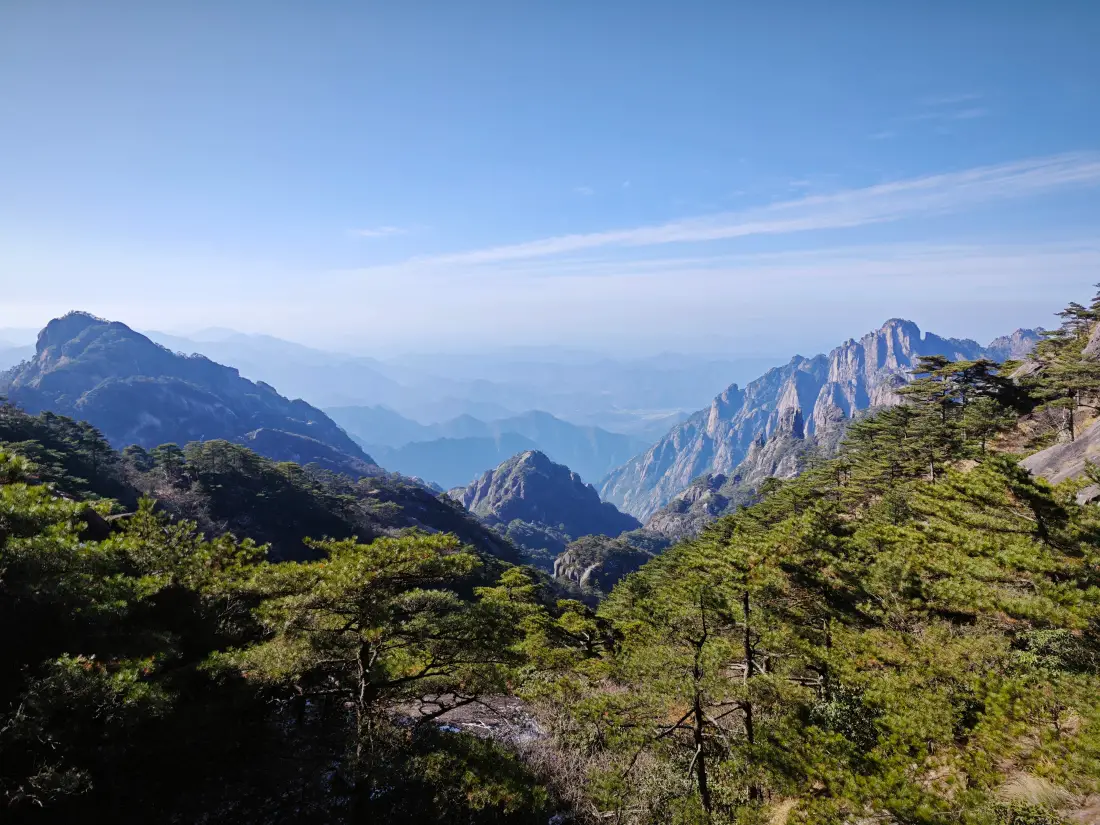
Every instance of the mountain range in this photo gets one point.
(807, 398)
(640, 396)
(452, 452)
(138, 392)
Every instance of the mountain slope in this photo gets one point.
(551, 501)
(379, 426)
(137, 392)
(826, 390)
(224, 486)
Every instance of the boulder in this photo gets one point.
(1068, 460)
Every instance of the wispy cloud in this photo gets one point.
(844, 289)
(884, 134)
(585, 191)
(949, 107)
(378, 232)
(950, 100)
(887, 202)
(957, 114)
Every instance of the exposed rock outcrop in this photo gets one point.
(599, 562)
(1013, 347)
(1067, 460)
(783, 454)
(532, 488)
(825, 391)
(540, 505)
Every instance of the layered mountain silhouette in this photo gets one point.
(451, 452)
(12, 354)
(641, 396)
(138, 392)
(806, 399)
(541, 505)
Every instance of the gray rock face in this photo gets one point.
(1089, 494)
(1068, 460)
(531, 488)
(1013, 347)
(689, 511)
(822, 392)
(1092, 348)
(598, 562)
(779, 455)
(822, 389)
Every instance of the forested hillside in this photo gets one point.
(907, 632)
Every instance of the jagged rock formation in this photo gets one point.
(783, 454)
(1013, 347)
(138, 392)
(531, 489)
(598, 562)
(707, 498)
(825, 391)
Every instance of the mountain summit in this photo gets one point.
(138, 392)
(825, 391)
(541, 505)
(531, 487)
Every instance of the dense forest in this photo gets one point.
(908, 632)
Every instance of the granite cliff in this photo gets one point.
(804, 403)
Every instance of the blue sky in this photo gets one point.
(761, 177)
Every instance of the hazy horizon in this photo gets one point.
(704, 347)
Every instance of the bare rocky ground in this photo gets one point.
(503, 718)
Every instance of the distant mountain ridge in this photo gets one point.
(452, 452)
(13, 354)
(641, 396)
(138, 392)
(451, 462)
(824, 391)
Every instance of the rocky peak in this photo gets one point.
(138, 392)
(532, 488)
(902, 329)
(806, 398)
(60, 331)
(1015, 346)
